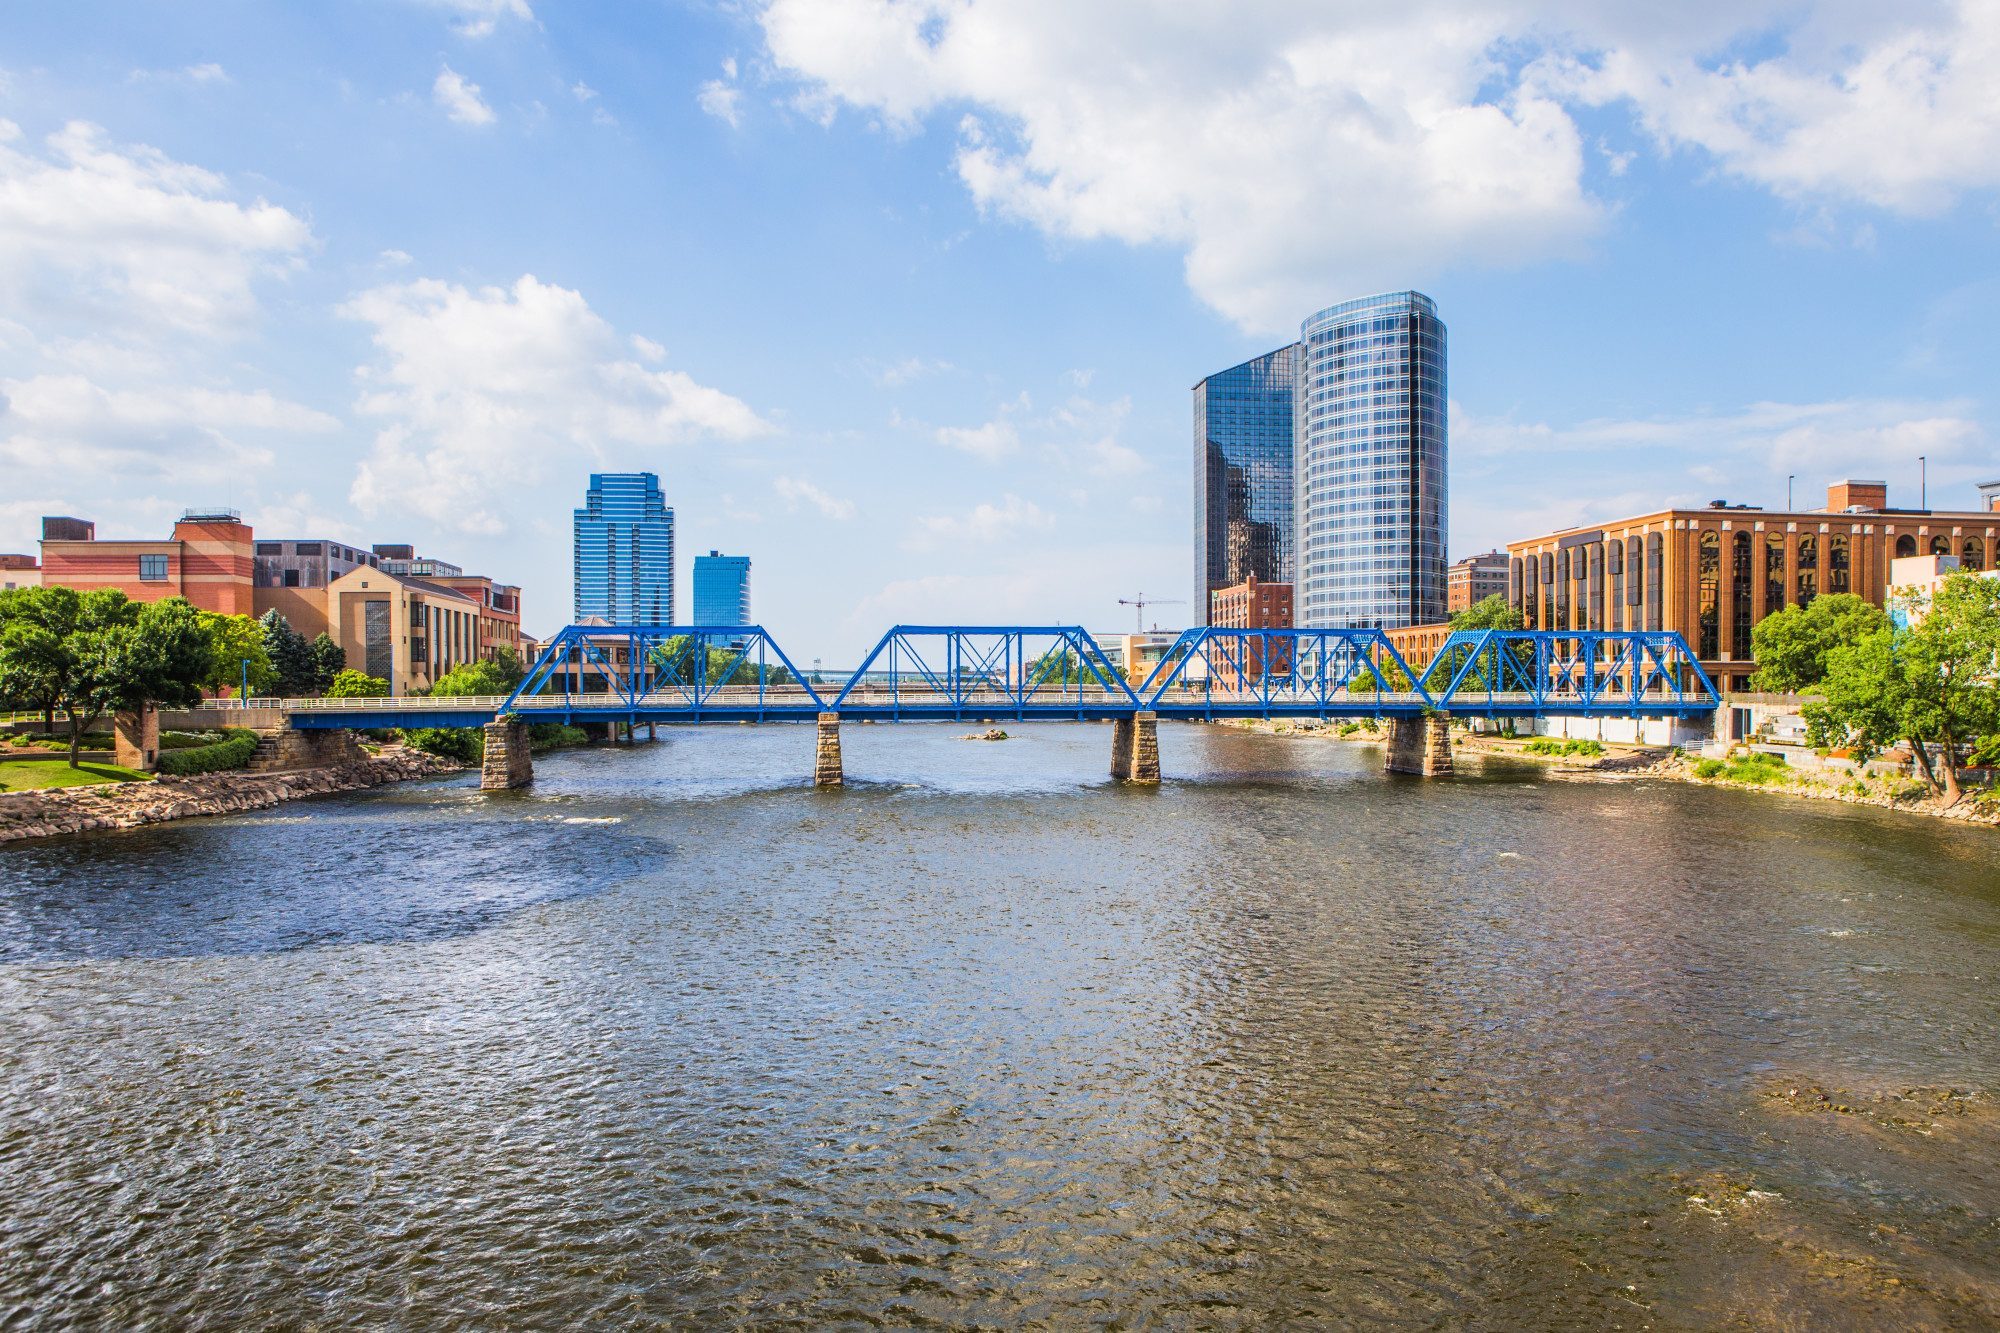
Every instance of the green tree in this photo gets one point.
(352, 684)
(508, 663)
(291, 656)
(234, 640)
(329, 659)
(1792, 646)
(473, 678)
(1931, 685)
(1488, 613)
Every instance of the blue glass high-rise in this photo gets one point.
(624, 551)
(722, 589)
(1369, 421)
(1243, 492)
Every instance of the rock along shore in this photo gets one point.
(46, 814)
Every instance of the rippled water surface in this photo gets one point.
(985, 1040)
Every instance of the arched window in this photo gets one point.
(1973, 554)
(1656, 594)
(1774, 573)
(1708, 584)
(1837, 579)
(1614, 561)
(1739, 595)
(1596, 586)
(1906, 546)
(1808, 569)
(1635, 589)
(1563, 581)
(1940, 545)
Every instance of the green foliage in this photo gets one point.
(474, 678)
(351, 684)
(1755, 769)
(464, 744)
(673, 662)
(1551, 745)
(1986, 754)
(329, 659)
(39, 774)
(222, 756)
(1488, 613)
(1792, 646)
(1931, 685)
(234, 640)
(188, 740)
(508, 663)
(291, 657)
(554, 735)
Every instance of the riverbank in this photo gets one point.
(49, 812)
(1633, 763)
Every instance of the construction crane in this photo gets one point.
(1141, 602)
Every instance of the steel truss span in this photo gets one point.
(674, 674)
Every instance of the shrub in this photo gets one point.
(1755, 769)
(1550, 745)
(553, 735)
(352, 684)
(464, 744)
(219, 757)
(188, 740)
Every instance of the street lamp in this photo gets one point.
(243, 694)
(1923, 482)
(1788, 491)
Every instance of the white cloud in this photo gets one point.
(483, 391)
(1299, 153)
(992, 441)
(479, 18)
(97, 237)
(896, 375)
(460, 99)
(795, 491)
(195, 74)
(722, 101)
(985, 523)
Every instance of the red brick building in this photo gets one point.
(208, 560)
(1474, 579)
(1251, 605)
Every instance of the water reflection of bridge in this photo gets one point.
(631, 676)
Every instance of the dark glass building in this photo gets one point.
(1369, 425)
(625, 551)
(1243, 476)
(721, 589)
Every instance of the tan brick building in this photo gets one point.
(207, 560)
(1251, 605)
(1474, 579)
(1711, 574)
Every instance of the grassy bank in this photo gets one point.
(46, 774)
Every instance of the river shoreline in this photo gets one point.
(57, 811)
(1659, 763)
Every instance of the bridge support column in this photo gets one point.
(135, 739)
(1420, 746)
(1135, 748)
(826, 753)
(507, 763)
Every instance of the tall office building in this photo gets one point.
(721, 589)
(625, 551)
(1243, 475)
(1369, 426)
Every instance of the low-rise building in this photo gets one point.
(208, 560)
(1472, 580)
(1712, 574)
(407, 631)
(1251, 604)
(19, 571)
(291, 577)
(1913, 580)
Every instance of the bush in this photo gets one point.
(1708, 768)
(1755, 769)
(188, 740)
(464, 744)
(219, 757)
(1550, 745)
(352, 684)
(554, 735)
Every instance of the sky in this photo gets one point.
(903, 299)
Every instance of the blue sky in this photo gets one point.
(904, 300)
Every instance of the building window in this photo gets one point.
(152, 569)
(1940, 545)
(1615, 561)
(270, 548)
(1739, 593)
(1709, 583)
(1906, 546)
(1808, 569)
(1656, 597)
(291, 578)
(1974, 554)
(1563, 580)
(1596, 585)
(308, 548)
(1774, 573)
(1836, 563)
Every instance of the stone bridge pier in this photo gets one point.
(507, 763)
(1135, 748)
(826, 753)
(1420, 746)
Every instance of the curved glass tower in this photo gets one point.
(624, 551)
(1369, 425)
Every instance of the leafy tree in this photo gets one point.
(464, 744)
(234, 640)
(508, 663)
(1488, 613)
(291, 656)
(100, 652)
(1793, 645)
(1933, 684)
(352, 684)
(474, 678)
(329, 659)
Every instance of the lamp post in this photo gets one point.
(1788, 491)
(1923, 482)
(243, 694)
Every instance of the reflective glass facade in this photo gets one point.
(1369, 418)
(625, 551)
(1244, 503)
(722, 589)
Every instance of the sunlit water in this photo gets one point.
(986, 1040)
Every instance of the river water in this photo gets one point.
(985, 1040)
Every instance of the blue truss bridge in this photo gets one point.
(628, 676)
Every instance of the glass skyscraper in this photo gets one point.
(721, 589)
(1369, 424)
(625, 551)
(1243, 475)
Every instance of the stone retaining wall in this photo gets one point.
(44, 814)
